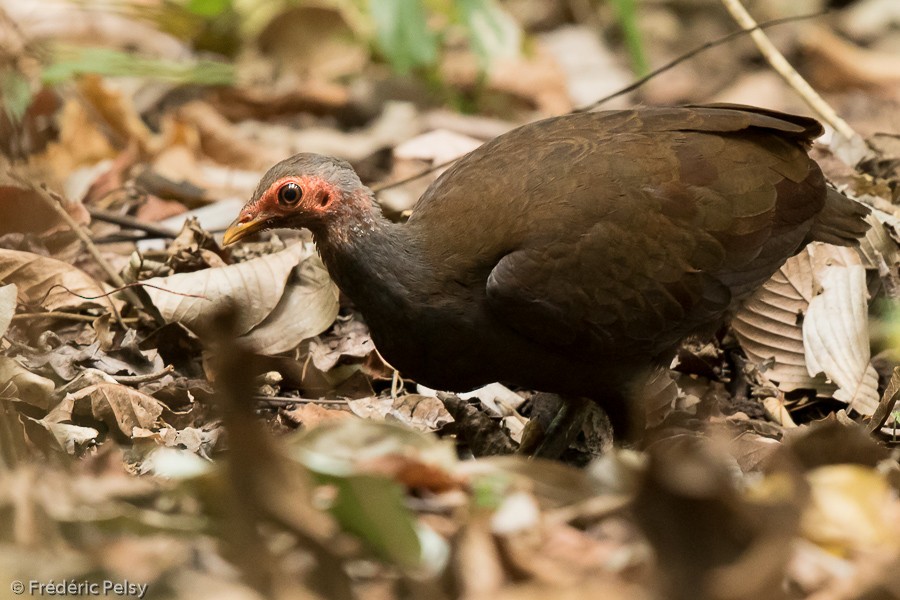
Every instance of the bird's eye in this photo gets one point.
(289, 194)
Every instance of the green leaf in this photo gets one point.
(627, 15)
(15, 94)
(71, 62)
(208, 8)
(493, 33)
(402, 33)
(372, 508)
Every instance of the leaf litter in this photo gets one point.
(120, 457)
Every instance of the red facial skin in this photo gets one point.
(271, 209)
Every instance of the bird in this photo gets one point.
(571, 255)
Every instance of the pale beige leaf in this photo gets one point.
(835, 336)
(255, 287)
(7, 306)
(308, 307)
(807, 326)
(41, 281)
(119, 406)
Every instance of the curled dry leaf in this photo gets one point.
(27, 387)
(49, 434)
(269, 306)
(119, 406)
(50, 283)
(809, 322)
(7, 306)
(311, 290)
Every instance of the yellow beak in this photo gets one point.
(238, 231)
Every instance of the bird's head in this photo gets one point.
(305, 190)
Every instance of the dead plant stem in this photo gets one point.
(787, 72)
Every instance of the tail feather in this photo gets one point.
(842, 221)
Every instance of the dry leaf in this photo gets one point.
(772, 324)
(659, 393)
(837, 64)
(50, 434)
(877, 247)
(119, 406)
(40, 281)
(835, 337)
(7, 306)
(22, 210)
(313, 415)
(350, 338)
(116, 110)
(438, 146)
(853, 508)
(28, 387)
(314, 42)
(308, 307)
(424, 413)
(255, 287)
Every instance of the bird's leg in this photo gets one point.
(561, 432)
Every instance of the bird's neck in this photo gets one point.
(375, 262)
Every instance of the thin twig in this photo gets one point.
(144, 378)
(57, 314)
(787, 72)
(131, 223)
(756, 27)
(287, 400)
(55, 202)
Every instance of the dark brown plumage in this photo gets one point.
(570, 254)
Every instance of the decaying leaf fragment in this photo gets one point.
(807, 326)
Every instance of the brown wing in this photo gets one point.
(632, 225)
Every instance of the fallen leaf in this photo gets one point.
(853, 508)
(771, 326)
(23, 210)
(837, 64)
(53, 435)
(28, 387)
(350, 338)
(119, 406)
(308, 307)
(312, 415)
(315, 42)
(8, 295)
(40, 282)
(255, 286)
(835, 337)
